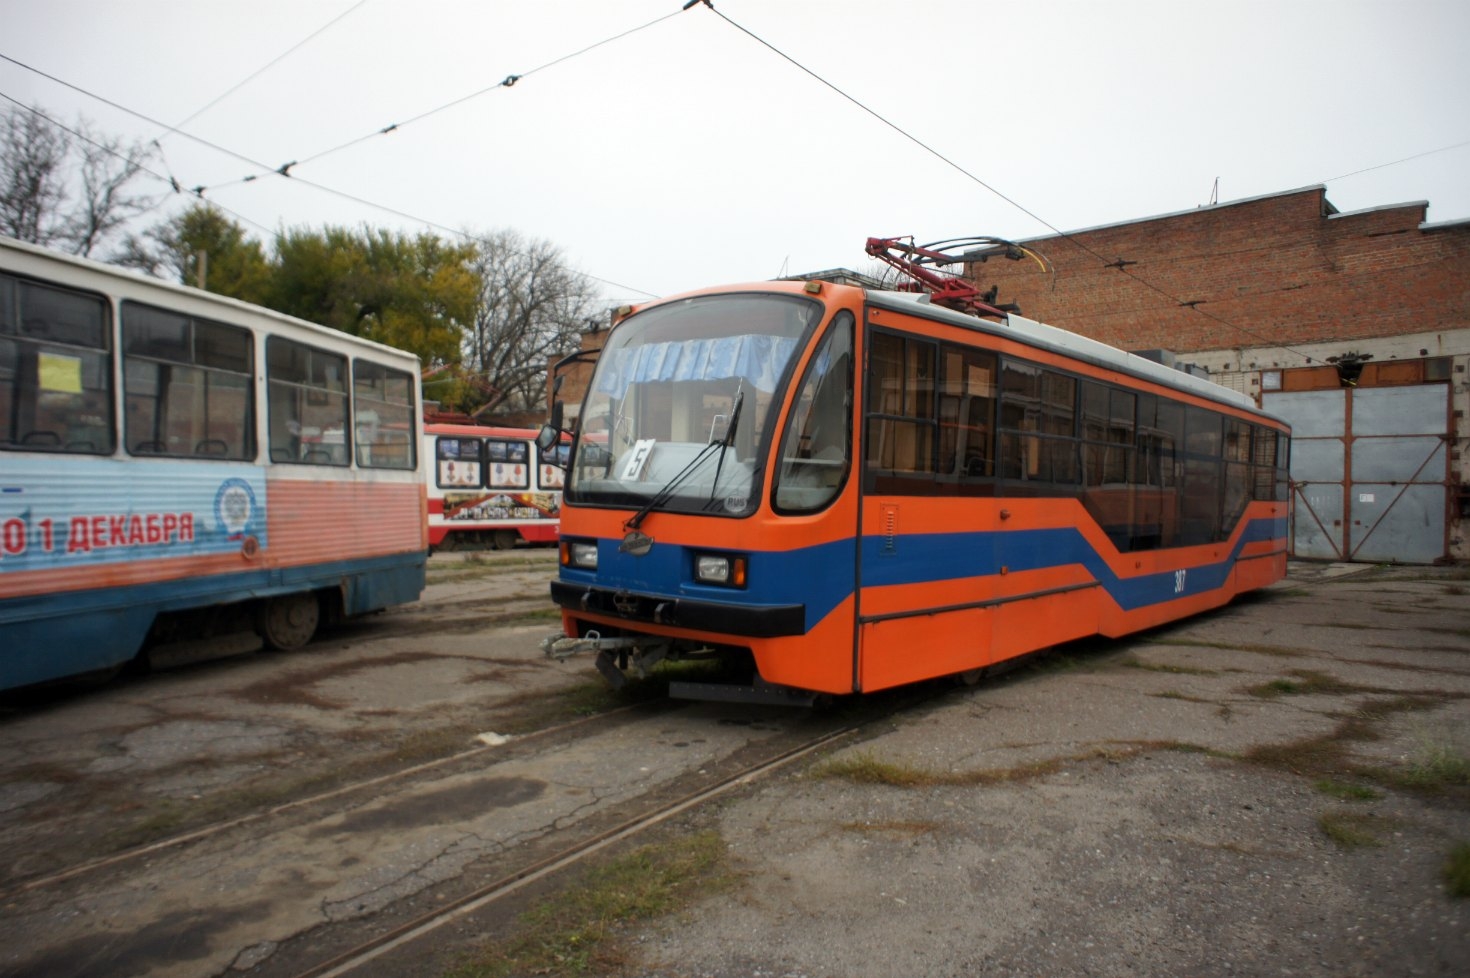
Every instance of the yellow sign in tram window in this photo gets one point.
(59, 373)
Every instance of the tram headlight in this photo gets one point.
(721, 569)
(580, 554)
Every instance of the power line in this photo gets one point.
(264, 68)
(966, 173)
(169, 180)
(508, 82)
(284, 169)
(1406, 159)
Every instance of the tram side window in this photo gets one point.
(459, 463)
(816, 448)
(967, 395)
(382, 408)
(1157, 473)
(1202, 476)
(187, 385)
(508, 464)
(55, 370)
(1283, 467)
(901, 421)
(1263, 464)
(1237, 486)
(307, 400)
(1108, 459)
(1038, 434)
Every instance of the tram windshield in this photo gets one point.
(680, 408)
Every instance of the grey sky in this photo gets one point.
(688, 153)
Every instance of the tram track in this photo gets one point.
(345, 881)
(354, 959)
(286, 809)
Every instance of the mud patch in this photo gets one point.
(291, 687)
(176, 937)
(452, 804)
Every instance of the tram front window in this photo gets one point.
(680, 404)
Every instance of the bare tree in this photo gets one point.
(33, 153)
(66, 187)
(532, 308)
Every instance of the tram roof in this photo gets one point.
(135, 284)
(1068, 344)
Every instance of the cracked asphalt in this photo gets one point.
(1170, 805)
(1147, 807)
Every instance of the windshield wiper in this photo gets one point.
(667, 492)
(728, 440)
(658, 499)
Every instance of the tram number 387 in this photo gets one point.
(1179, 581)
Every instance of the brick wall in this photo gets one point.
(1283, 269)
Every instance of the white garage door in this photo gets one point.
(1369, 471)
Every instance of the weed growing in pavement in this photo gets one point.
(1133, 662)
(575, 931)
(1275, 650)
(1305, 683)
(1174, 694)
(1347, 791)
(865, 768)
(1457, 871)
(1436, 766)
(1436, 770)
(1353, 830)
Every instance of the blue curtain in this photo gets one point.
(758, 359)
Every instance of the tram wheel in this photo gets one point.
(505, 539)
(970, 677)
(288, 621)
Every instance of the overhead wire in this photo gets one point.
(112, 151)
(285, 169)
(1083, 246)
(510, 80)
(1406, 159)
(267, 66)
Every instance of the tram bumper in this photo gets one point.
(725, 618)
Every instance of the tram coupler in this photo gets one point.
(614, 655)
(561, 646)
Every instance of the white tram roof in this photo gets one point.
(1066, 343)
(30, 259)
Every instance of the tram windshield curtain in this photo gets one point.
(757, 359)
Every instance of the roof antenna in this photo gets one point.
(1215, 193)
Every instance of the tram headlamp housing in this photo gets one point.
(581, 554)
(722, 569)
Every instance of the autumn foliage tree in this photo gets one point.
(416, 293)
(201, 246)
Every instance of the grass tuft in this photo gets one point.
(575, 931)
(1347, 791)
(1351, 830)
(1457, 871)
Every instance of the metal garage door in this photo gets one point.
(1369, 472)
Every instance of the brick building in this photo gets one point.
(1356, 327)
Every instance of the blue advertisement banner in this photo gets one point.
(71, 512)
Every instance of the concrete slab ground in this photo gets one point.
(1272, 789)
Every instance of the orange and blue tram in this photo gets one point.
(841, 490)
